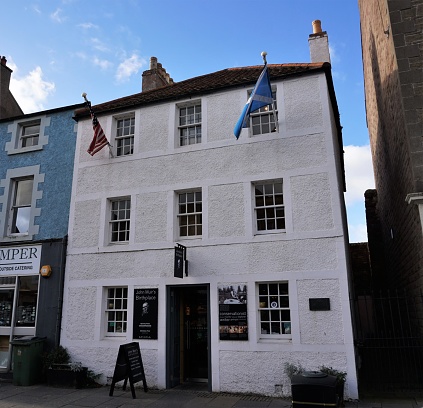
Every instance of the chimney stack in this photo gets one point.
(155, 77)
(318, 43)
(8, 105)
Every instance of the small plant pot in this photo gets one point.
(61, 375)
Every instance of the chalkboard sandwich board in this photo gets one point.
(129, 366)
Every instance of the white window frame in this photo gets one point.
(110, 307)
(8, 185)
(112, 222)
(16, 207)
(270, 305)
(17, 128)
(26, 135)
(187, 214)
(130, 136)
(195, 124)
(263, 119)
(266, 209)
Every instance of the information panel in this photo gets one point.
(145, 313)
(233, 322)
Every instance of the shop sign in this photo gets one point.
(20, 260)
(145, 313)
(233, 322)
(181, 263)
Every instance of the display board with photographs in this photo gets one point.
(233, 321)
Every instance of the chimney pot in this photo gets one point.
(318, 43)
(3, 60)
(317, 26)
(153, 63)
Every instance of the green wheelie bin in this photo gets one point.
(27, 360)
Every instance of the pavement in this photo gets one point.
(41, 395)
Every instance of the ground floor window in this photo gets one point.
(18, 311)
(273, 310)
(116, 311)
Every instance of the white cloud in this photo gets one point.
(31, 90)
(358, 172)
(36, 8)
(87, 26)
(57, 16)
(103, 64)
(129, 67)
(99, 45)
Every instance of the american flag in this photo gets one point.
(99, 139)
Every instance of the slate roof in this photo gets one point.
(204, 84)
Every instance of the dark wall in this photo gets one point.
(50, 296)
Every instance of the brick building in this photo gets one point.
(392, 43)
(8, 105)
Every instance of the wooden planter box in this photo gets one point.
(61, 375)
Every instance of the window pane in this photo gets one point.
(259, 201)
(24, 192)
(276, 328)
(284, 301)
(268, 200)
(285, 315)
(261, 225)
(21, 222)
(283, 288)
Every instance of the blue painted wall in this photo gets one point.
(56, 162)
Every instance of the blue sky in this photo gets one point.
(59, 49)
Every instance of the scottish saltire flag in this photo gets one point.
(261, 96)
(99, 139)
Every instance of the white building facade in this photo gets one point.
(262, 219)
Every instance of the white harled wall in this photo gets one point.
(311, 254)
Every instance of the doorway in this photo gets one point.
(188, 339)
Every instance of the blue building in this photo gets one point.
(36, 169)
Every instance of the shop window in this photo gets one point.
(27, 301)
(273, 310)
(6, 307)
(116, 311)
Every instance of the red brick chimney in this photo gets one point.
(8, 105)
(155, 77)
(318, 43)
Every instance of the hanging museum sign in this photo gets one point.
(233, 322)
(22, 260)
(145, 313)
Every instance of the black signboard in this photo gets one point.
(145, 313)
(181, 263)
(233, 321)
(129, 366)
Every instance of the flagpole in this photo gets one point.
(264, 54)
(88, 103)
